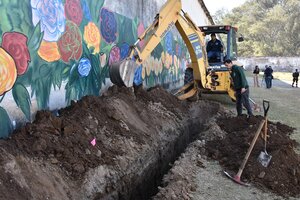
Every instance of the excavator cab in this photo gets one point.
(228, 36)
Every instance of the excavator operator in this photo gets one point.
(214, 49)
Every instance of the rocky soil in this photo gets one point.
(148, 145)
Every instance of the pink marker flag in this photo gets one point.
(93, 142)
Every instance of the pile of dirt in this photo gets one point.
(138, 134)
(132, 129)
(65, 139)
(282, 176)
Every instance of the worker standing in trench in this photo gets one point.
(241, 88)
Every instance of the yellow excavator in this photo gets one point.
(208, 76)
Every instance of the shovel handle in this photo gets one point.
(250, 148)
(266, 105)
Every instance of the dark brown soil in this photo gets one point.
(128, 125)
(282, 176)
(120, 116)
(65, 139)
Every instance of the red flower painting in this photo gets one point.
(70, 43)
(16, 45)
(73, 11)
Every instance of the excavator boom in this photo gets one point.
(170, 15)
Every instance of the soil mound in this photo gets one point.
(282, 176)
(134, 131)
(65, 139)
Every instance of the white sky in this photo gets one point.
(214, 5)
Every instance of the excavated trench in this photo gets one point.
(139, 136)
(144, 182)
(147, 184)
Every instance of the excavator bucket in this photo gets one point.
(186, 86)
(188, 94)
(122, 73)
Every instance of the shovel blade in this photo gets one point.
(264, 159)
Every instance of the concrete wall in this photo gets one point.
(282, 64)
(56, 51)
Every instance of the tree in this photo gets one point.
(270, 27)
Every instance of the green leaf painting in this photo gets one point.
(22, 99)
(5, 124)
(35, 39)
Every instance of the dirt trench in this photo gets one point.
(138, 137)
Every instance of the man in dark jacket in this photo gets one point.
(268, 76)
(295, 78)
(241, 87)
(214, 49)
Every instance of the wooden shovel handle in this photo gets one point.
(250, 148)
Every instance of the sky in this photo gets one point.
(214, 5)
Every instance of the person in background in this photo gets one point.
(255, 76)
(214, 49)
(295, 78)
(241, 87)
(268, 76)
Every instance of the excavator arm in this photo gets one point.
(169, 16)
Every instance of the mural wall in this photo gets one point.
(64, 47)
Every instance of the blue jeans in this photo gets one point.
(268, 80)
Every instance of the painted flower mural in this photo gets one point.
(70, 43)
(103, 59)
(178, 50)
(108, 25)
(124, 50)
(16, 45)
(51, 15)
(114, 55)
(86, 10)
(163, 58)
(84, 67)
(92, 37)
(8, 71)
(169, 42)
(73, 11)
(138, 80)
(140, 30)
(48, 51)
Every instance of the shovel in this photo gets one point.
(237, 178)
(256, 107)
(264, 158)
